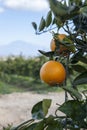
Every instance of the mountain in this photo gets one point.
(19, 47)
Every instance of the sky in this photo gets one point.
(16, 17)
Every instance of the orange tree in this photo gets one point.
(71, 17)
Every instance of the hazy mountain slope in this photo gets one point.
(19, 47)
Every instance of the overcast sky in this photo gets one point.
(15, 21)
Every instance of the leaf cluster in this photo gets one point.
(62, 12)
(76, 111)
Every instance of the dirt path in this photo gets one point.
(15, 108)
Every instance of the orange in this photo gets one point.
(53, 73)
(61, 36)
(53, 46)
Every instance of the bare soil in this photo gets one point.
(16, 107)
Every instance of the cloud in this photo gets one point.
(2, 9)
(34, 5)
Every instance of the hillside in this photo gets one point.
(19, 47)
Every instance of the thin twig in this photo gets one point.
(39, 33)
(66, 95)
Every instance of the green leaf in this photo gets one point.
(48, 18)
(23, 125)
(48, 54)
(78, 56)
(81, 42)
(46, 105)
(40, 110)
(74, 61)
(34, 25)
(74, 110)
(78, 68)
(83, 10)
(54, 125)
(54, 21)
(50, 119)
(37, 111)
(75, 2)
(82, 59)
(40, 125)
(81, 79)
(58, 8)
(42, 24)
(31, 127)
(73, 92)
(67, 42)
(63, 12)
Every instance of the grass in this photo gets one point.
(14, 83)
(7, 88)
(40, 88)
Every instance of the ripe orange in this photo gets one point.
(52, 73)
(53, 46)
(61, 36)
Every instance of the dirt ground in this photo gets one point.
(16, 107)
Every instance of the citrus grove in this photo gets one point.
(66, 67)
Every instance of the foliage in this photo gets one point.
(63, 15)
(8, 88)
(15, 83)
(21, 66)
